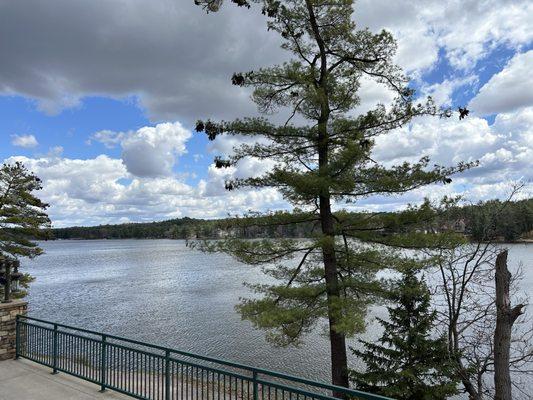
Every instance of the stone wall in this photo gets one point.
(8, 313)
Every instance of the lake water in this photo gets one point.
(162, 292)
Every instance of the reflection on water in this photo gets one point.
(162, 292)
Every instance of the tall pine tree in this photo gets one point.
(407, 363)
(324, 161)
(22, 216)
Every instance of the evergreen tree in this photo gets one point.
(22, 217)
(407, 363)
(324, 161)
(22, 214)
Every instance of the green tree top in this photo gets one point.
(407, 363)
(22, 214)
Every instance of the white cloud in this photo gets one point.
(466, 31)
(25, 141)
(442, 92)
(249, 167)
(101, 190)
(417, 45)
(504, 150)
(55, 151)
(470, 30)
(371, 93)
(109, 139)
(150, 151)
(508, 90)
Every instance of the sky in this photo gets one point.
(99, 99)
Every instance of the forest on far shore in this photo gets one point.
(513, 222)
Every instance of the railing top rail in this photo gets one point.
(334, 388)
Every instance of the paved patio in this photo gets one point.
(25, 380)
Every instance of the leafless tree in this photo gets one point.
(465, 296)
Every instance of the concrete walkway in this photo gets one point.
(25, 380)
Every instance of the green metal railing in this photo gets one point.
(146, 371)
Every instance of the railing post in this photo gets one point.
(17, 337)
(256, 386)
(167, 375)
(54, 350)
(103, 364)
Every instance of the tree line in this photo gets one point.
(514, 222)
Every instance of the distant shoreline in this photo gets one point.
(519, 241)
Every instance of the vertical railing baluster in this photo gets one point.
(30, 341)
(157, 378)
(207, 384)
(54, 351)
(197, 388)
(17, 337)
(145, 373)
(256, 386)
(136, 372)
(103, 364)
(128, 376)
(112, 356)
(167, 375)
(123, 368)
(181, 380)
(68, 351)
(40, 343)
(151, 377)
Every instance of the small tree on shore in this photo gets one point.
(407, 363)
(323, 162)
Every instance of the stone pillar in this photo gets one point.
(8, 315)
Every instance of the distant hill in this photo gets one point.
(514, 221)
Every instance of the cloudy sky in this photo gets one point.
(99, 98)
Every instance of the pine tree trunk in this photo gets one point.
(339, 359)
(505, 318)
(339, 362)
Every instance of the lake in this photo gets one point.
(162, 292)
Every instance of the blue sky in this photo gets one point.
(72, 128)
(100, 99)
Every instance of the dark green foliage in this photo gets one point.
(183, 228)
(22, 218)
(496, 220)
(24, 284)
(22, 215)
(407, 363)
